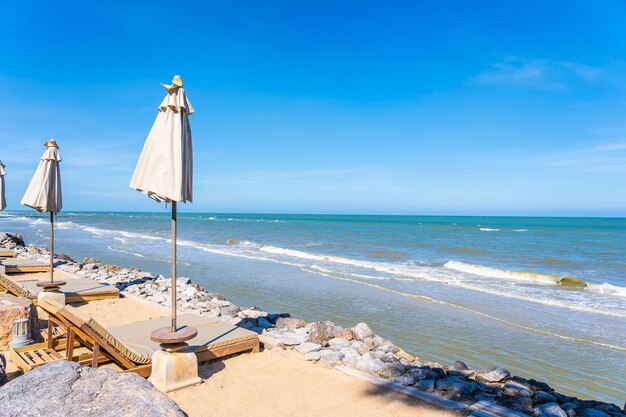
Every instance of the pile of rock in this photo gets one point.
(11, 240)
(357, 347)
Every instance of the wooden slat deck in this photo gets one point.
(31, 357)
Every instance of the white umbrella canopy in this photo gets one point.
(44, 191)
(3, 201)
(164, 173)
(44, 195)
(165, 168)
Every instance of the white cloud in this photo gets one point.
(604, 157)
(537, 74)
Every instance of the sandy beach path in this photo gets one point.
(276, 383)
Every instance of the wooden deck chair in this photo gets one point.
(7, 253)
(76, 290)
(59, 336)
(24, 265)
(130, 346)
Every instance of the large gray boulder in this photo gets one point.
(64, 388)
(392, 370)
(362, 331)
(367, 363)
(3, 370)
(320, 332)
(493, 375)
(549, 410)
(456, 384)
(591, 412)
(289, 323)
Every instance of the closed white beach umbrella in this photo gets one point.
(165, 169)
(44, 191)
(3, 201)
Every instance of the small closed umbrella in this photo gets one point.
(165, 169)
(44, 192)
(3, 201)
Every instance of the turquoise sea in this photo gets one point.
(544, 297)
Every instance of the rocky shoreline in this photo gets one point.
(357, 347)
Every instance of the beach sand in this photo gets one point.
(274, 382)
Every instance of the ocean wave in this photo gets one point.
(232, 219)
(414, 273)
(139, 255)
(424, 298)
(519, 230)
(485, 271)
(65, 225)
(607, 289)
(560, 280)
(487, 229)
(465, 249)
(555, 261)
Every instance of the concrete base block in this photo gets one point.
(174, 370)
(56, 296)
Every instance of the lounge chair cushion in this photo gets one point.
(22, 262)
(211, 334)
(15, 288)
(79, 286)
(133, 340)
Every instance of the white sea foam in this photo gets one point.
(139, 255)
(519, 230)
(537, 277)
(607, 289)
(487, 229)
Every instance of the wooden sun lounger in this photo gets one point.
(14, 265)
(6, 253)
(75, 289)
(128, 346)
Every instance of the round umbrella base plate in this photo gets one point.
(50, 286)
(166, 336)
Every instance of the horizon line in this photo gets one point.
(615, 217)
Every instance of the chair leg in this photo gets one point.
(70, 344)
(50, 337)
(96, 354)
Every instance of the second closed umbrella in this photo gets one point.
(44, 191)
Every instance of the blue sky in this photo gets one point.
(451, 107)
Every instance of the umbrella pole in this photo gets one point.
(51, 247)
(174, 267)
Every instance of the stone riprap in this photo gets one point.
(357, 347)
